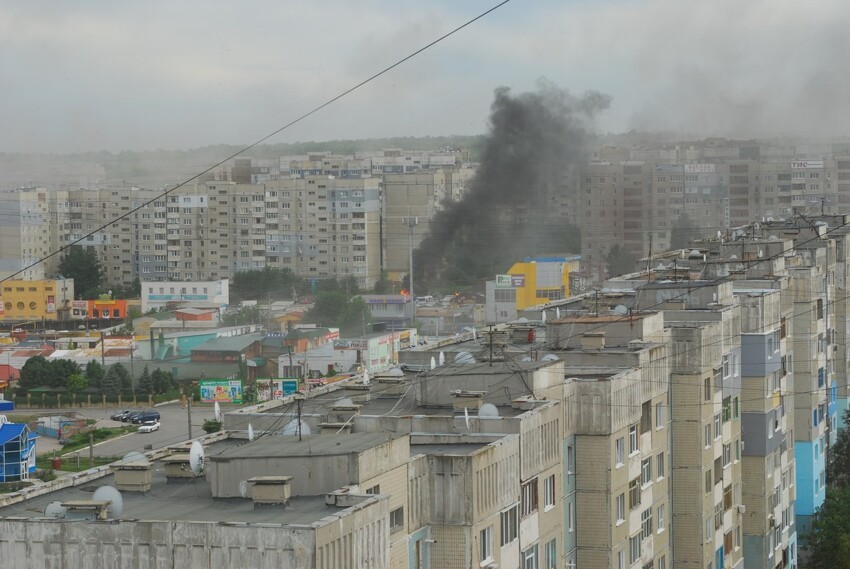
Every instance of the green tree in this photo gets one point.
(116, 380)
(620, 261)
(829, 536)
(146, 384)
(61, 371)
(838, 467)
(94, 373)
(382, 285)
(335, 308)
(163, 381)
(684, 231)
(245, 315)
(35, 373)
(77, 382)
(82, 265)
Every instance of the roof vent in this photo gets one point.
(462, 399)
(270, 490)
(593, 341)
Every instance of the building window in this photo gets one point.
(571, 460)
(619, 451)
(707, 389)
(634, 548)
(621, 508)
(510, 526)
(708, 484)
(486, 543)
(634, 445)
(718, 426)
(570, 517)
(646, 522)
(397, 519)
(529, 558)
(660, 415)
(646, 471)
(660, 459)
(634, 494)
(621, 559)
(707, 435)
(552, 555)
(529, 497)
(661, 518)
(376, 489)
(549, 492)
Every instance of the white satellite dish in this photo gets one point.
(134, 456)
(543, 317)
(474, 334)
(466, 416)
(243, 488)
(464, 358)
(526, 359)
(217, 408)
(55, 510)
(549, 358)
(442, 359)
(291, 428)
(3, 419)
(395, 372)
(488, 411)
(365, 377)
(558, 312)
(196, 457)
(250, 432)
(116, 501)
(433, 362)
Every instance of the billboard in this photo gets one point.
(268, 389)
(221, 390)
(806, 164)
(503, 281)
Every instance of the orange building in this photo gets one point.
(116, 309)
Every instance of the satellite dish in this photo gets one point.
(550, 358)
(196, 457)
(761, 253)
(250, 432)
(365, 377)
(55, 510)
(395, 372)
(134, 456)
(526, 359)
(442, 360)
(558, 312)
(116, 501)
(466, 416)
(217, 408)
(291, 428)
(433, 362)
(543, 316)
(3, 419)
(621, 310)
(488, 411)
(522, 320)
(243, 488)
(474, 334)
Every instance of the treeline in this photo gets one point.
(68, 375)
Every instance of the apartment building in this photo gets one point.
(27, 233)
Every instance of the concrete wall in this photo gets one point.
(49, 544)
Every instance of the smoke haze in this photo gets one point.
(503, 214)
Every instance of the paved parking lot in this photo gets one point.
(174, 428)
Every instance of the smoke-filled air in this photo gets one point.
(532, 139)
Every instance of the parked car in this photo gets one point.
(122, 415)
(129, 416)
(149, 427)
(145, 417)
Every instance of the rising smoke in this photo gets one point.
(506, 212)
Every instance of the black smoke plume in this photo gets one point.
(507, 211)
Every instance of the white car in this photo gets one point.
(149, 427)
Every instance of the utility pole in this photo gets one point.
(189, 410)
(299, 401)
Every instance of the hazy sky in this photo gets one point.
(101, 74)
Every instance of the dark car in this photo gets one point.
(122, 415)
(144, 417)
(128, 416)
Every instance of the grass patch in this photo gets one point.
(45, 475)
(72, 464)
(81, 440)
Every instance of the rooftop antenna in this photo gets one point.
(196, 457)
(113, 496)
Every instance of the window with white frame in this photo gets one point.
(549, 492)
(529, 558)
(634, 444)
(660, 470)
(621, 508)
(646, 471)
(510, 525)
(634, 548)
(660, 415)
(529, 497)
(660, 523)
(646, 522)
(619, 451)
(552, 555)
(485, 542)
